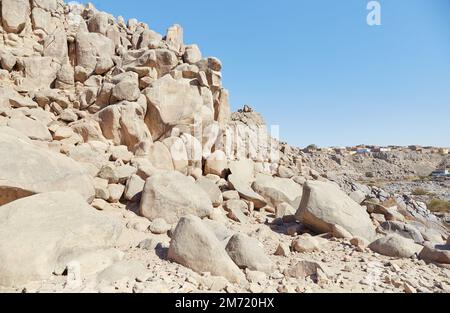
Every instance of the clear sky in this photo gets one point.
(317, 69)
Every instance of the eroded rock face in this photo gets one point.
(90, 47)
(195, 246)
(39, 73)
(27, 169)
(170, 103)
(43, 228)
(171, 195)
(15, 15)
(124, 124)
(324, 204)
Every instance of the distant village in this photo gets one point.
(365, 149)
(369, 149)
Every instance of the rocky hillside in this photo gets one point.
(124, 170)
(393, 165)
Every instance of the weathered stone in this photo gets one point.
(123, 270)
(27, 169)
(55, 45)
(324, 205)
(159, 226)
(171, 195)
(115, 192)
(303, 269)
(98, 23)
(174, 37)
(214, 193)
(159, 155)
(62, 133)
(39, 73)
(435, 253)
(178, 154)
(126, 88)
(89, 47)
(230, 195)
(404, 230)
(101, 188)
(236, 209)
(192, 54)
(43, 228)
(7, 61)
(215, 64)
(123, 123)
(22, 102)
(277, 190)
(359, 243)
(193, 245)
(121, 153)
(395, 246)
(166, 60)
(244, 189)
(306, 243)
(170, 103)
(222, 110)
(15, 14)
(90, 262)
(283, 249)
(248, 253)
(283, 210)
(216, 163)
(340, 232)
(358, 196)
(134, 188)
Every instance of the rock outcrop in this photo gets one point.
(123, 169)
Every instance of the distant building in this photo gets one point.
(363, 150)
(444, 151)
(382, 149)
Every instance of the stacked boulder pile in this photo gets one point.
(118, 144)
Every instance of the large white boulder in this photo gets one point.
(26, 169)
(395, 246)
(248, 253)
(124, 124)
(15, 14)
(324, 205)
(171, 195)
(277, 190)
(38, 231)
(170, 103)
(195, 246)
(89, 48)
(31, 128)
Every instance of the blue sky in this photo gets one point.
(318, 70)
